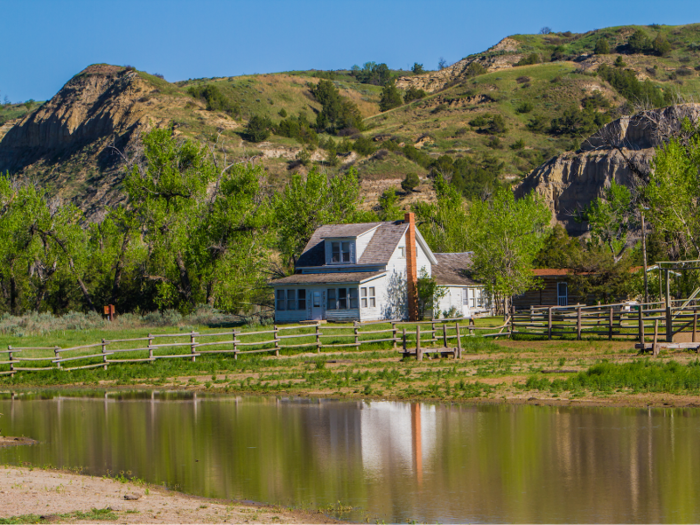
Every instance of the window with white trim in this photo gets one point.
(342, 298)
(402, 252)
(465, 296)
(367, 297)
(331, 299)
(363, 296)
(372, 302)
(281, 300)
(341, 252)
(291, 299)
(352, 292)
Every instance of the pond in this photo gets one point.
(389, 461)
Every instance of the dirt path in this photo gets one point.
(61, 497)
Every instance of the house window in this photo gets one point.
(317, 300)
(353, 297)
(280, 299)
(363, 296)
(372, 302)
(340, 252)
(291, 299)
(402, 252)
(302, 299)
(465, 296)
(331, 299)
(342, 299)
(562, 294)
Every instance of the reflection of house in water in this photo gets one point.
(397, 435)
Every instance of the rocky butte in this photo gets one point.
(621, 151)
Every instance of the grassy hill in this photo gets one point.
(495, 117)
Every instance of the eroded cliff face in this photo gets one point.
(65, 145)
(621, 151)
(437, 80)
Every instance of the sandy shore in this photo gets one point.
(62, 497)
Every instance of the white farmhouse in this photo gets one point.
(368, 272)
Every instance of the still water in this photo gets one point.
(391, 461)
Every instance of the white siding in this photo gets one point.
(378, 312)
(422, 261)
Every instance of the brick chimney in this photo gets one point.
(411, 267)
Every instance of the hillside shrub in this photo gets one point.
(660, 46)
(364, 146)
(258, 128)
(639, 42)
(475, 69)
(626, 83)
(494, 143)
(417, 156)
(297, 128)
(372, 73)
(282, 113)
(518, 144)
(391, 97)
(476, 177)
(532, 58)
(410, 182)
(522, 80)
(537, 124)
(214, 98)
(575, 122)
(337, 112)
(412, 94)
(602, 46)
(684, 72)
(525, 107)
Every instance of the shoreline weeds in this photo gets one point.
(67, 497)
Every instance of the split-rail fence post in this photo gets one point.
(419, 351)
(549, 322)
(654, 345)
(695, 323)
(318, 338)
(641, 324)
(193, 345)
(104, 353)
(277, 339)
(459, 341)
(405, 343)
(12, 365)
(444, 335)
(393, 333)
(150, 347)
(578, 323)
(57, 353)
(611, 320)
(357, 337)
(669, 323)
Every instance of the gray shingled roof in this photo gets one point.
(453, 268)
(378, 251)
(327, 278)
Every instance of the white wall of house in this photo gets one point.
(363, 241)
(455, 298)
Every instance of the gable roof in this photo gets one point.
(378, 251)
(453, 268)
(328, 278)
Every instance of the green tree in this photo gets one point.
(308, 203)
(672, 194)
(661, 46)
(410, 182)
(391, 97)
(337, 112)
(602, 46)
(444, 222)
(389, 209)
(417, 68)
(429, 295)
(611, 218)
(205, 228)
(412, 94)
(506, 236)
(639, 42)
(258, 128)
(532, 58)
(559, 250)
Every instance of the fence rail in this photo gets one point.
(652, 325)
(238, 342)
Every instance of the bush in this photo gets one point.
(282, 113)
(494, 143)
(522, 80)
(410, 182)
(478, 121)
(258, 128)
(684, 72)
(413, 94)
(602, 46)
(532, 58)
(391, 97)
(364, 146)
(525, 107)
(475, 69)
(497, 124)
(661, 46)
(417, 68)
(439, 108)
(518, 144)
(626, 83)
(639, 42)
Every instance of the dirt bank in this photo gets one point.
(61, 497)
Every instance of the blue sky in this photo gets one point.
(46, 42)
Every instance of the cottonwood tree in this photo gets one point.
(444, 223)
(307, 203)
(506, 235)
(206, 228)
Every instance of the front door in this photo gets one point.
(562, 294)
(316, 305)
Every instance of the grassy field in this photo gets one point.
(593, 371)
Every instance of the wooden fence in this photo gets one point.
(652, 325)
(238, 342)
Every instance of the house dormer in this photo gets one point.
(341, 251)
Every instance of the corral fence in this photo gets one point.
(190, 345)
(653, 325)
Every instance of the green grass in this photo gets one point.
(105, 514)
